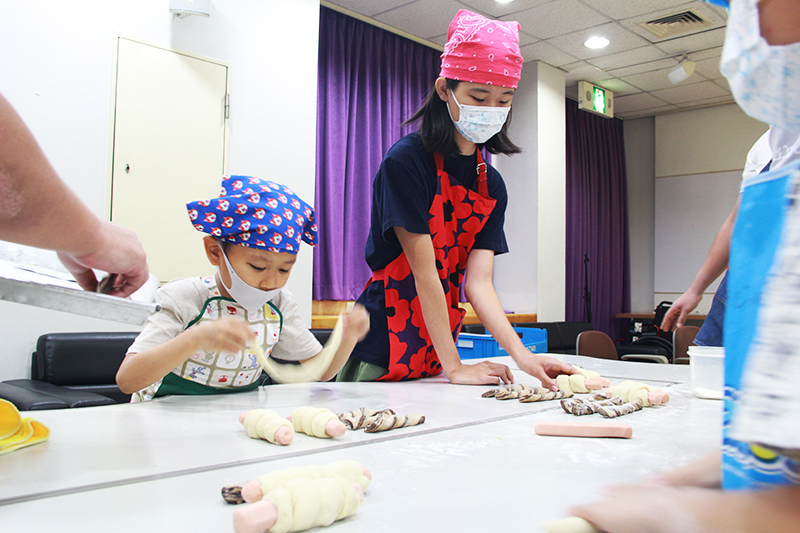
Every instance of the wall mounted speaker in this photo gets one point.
(184, 8)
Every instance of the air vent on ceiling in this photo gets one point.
(675, 24)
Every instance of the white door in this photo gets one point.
(169, 147)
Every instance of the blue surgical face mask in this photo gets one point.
(245, 295)
(764, 79)
(476, 123)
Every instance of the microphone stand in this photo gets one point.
(587, 295)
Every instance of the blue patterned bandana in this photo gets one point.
(256, 213)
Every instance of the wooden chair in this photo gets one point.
(682, 338)
(595, 344)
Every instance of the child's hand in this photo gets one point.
(637, 508)
(224, 335)
(355, 323)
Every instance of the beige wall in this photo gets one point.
(699, 158)
(531, 278)
(713, 139)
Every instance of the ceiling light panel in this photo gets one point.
(621, 41)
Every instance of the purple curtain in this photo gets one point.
(370, 81)
(597, 220)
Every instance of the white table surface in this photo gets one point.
(475, 462)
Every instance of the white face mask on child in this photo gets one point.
(245, 295)
(763, 78)
(477, 123)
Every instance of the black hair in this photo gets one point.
(437, 129)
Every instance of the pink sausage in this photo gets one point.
(359, 491)
(255, 517)
(594, 383)
(284, 435)
(252, 492)
(584, 429)
(658, 398)
(335, 427)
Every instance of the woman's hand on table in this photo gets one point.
(483, 373)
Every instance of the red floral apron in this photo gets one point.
(457, 215)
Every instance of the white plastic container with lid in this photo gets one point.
(707, 368)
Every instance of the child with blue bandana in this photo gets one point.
(207, 337)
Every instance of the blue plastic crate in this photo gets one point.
(474, 346)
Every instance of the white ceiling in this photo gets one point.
(634, 66)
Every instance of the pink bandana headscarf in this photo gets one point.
(482, 50)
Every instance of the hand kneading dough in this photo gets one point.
(317, 422)
(573, 524)
(268, 425)
(310, 370)
(350, 470)
(299, 505)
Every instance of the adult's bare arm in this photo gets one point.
(38, 209)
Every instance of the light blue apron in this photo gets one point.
(756, 236)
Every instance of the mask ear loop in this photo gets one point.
(447, 105)
(227, 265)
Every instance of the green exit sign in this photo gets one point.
(595, 99)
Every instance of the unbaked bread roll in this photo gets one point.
(392, 421)
(541, 395)
(631, 391)
(317, 422)
(350, 470)
(507, 392)
(526, 394)
(298, 505)
(362, 417)
(613, 411)
(579, 407)
(268, 425)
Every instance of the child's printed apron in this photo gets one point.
(216, 372)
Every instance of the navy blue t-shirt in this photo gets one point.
(402, 195)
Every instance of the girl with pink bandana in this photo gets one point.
(437, 213)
